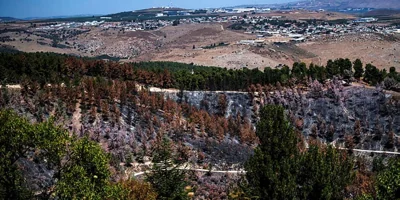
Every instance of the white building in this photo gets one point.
(244, 10)
(366, 20)
(246, 42)
(273, 32)
(295, 35)
(263, 10)
(276, 17)
(300, 39)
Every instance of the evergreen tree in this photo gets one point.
(165, 176)
(332, 69)
(321, 73)
(344, 65)
(324, 173)
(4, 95)
(278, 170)
(358, 69)
(388, 181)
(372, 75)
(312, 72)
(271, 170)
(393, 74)
(299, 71)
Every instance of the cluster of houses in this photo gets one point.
(366, 20)
(263, 29)
(136, 26)
(156, 24)
(70, 25)
(212, 11)
(248, 10)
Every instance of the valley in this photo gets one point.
(186, 42)
(298, 100)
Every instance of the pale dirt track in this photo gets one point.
(243, 171)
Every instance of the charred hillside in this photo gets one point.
(123, 113)
(366, 117)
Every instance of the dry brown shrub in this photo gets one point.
(139, 190)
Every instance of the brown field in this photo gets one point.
(370, 48)
(178, 46)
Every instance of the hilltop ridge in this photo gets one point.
(343, 4)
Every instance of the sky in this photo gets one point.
(48, 8)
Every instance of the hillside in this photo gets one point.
(112, 122)
(160, 9)
(150, 12)
(381, 12)
(7, 19)
(342, 4)
(394, 4)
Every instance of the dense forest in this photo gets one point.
(54, 68)
(78, 128)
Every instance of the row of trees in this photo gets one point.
(54, 68)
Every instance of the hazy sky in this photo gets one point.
(45, 8)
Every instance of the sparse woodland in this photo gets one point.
(104, 111)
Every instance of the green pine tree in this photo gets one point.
(358, 69)
(165, 176)
(279, 170)
(271, 170)
(388, 181)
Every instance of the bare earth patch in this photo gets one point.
(370, 48)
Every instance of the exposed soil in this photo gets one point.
(370, 48)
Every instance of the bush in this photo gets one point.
(138, 190)
(175, 23)
(18, 138)
(391, 84)
(80, 166)
(86, 174)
